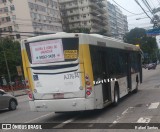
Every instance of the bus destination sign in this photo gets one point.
(47, 51)
(70, 54)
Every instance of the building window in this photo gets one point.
(8, 19)
(10, 28)
(71, 11)
(12, 7)
(6, 9)
(14, 17)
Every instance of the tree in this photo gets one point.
(103, 32)
(13, 56)
(79, 30)
(147, 44)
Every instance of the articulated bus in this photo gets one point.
(78, 72)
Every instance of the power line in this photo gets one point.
(143, 9)
(158, 2)
(138, 14)
(152, 3)
(146, 6)
(123, 8)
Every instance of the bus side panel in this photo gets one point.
(123, 88)
(81, 62)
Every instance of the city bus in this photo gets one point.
(78, 72)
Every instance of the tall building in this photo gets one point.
(117, 22)
(25, 18)
(83, 14)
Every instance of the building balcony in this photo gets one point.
(104, 17)
(6, 24)
(95, 18)
(94, 6)
(69, 7)
(93, 11)
(101, 4)
(70, 14)
(74, 21)
(65, 1)
(96, 0)
(97, 26)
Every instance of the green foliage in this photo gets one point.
(147, 44)
(13, 56)
(79, 30)
(102, 32)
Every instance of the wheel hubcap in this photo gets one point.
(13, 105)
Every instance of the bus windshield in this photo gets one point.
(51, 51)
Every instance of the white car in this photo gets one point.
(7, 101)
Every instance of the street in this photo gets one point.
(142, 107)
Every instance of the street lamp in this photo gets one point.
(141, 18)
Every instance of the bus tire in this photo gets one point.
(116, 96)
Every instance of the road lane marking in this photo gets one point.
(40, 117)
(121, 116)
(65, 122)
(154, 105)
(144, 120)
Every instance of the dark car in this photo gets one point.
(7, 101)
(152, 66)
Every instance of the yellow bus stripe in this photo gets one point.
(28, 71)
(87, 62)
(81, 65)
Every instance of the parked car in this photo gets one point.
(7, 101)
(145, 66)
(152, 66)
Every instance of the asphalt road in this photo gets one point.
(142, 107)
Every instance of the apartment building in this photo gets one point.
(83, 14)
(24, 18)
(117, 22)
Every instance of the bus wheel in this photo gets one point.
(116, 97)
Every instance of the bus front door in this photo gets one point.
(106, 86)
(128, 59)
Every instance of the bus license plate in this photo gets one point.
(58, 95)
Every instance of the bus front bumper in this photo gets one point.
(62, 105)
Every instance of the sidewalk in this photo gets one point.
(18, 92)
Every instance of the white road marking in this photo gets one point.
(144, 120)
(154, 105)
(40, 117)
(120, 117)
(65, 122)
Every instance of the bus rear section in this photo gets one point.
(55, 72)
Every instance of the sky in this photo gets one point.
(133, 7)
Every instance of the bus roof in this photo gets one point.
(92, 39)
